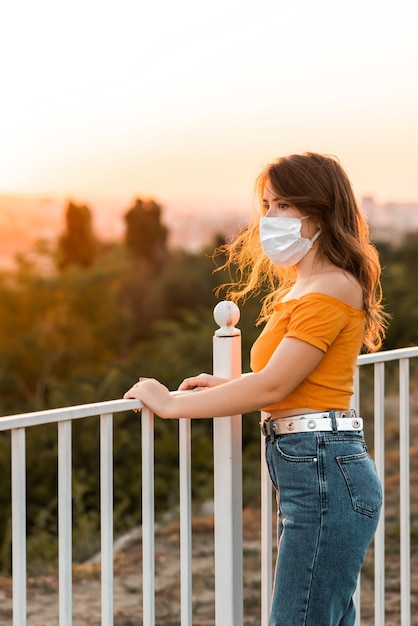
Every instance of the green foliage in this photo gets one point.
(58, 332)
(400, 295)
(86, 331)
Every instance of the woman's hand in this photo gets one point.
(152, 394)
(157, 397)
(203, 381)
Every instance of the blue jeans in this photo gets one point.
(329, 498)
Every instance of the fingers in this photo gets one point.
(190, 383)
(202, 382)
(146, 390)
(132, 393)
(184, 385)
(194, 381)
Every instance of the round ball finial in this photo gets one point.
(226, 315)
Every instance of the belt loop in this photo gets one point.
(270, 431)
(333, 421)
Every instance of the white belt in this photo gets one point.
(311, 422)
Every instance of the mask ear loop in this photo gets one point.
(315, 237)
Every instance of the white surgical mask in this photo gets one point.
(282, 242)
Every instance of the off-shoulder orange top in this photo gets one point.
(330, 325)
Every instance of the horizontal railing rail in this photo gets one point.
(69, 413)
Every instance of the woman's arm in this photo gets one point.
(289, 365)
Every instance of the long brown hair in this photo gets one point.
(318, 186)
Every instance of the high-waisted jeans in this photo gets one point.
(329, 498)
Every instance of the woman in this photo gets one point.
(311, 246)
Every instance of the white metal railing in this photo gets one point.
(17, 425)
(228, 496)
(378, 360)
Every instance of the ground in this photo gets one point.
(42, 600)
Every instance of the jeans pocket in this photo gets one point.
(297, 448)
(362, 481)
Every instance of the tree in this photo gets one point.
(78, 244)
(146, 235)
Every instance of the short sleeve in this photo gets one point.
(318, 321)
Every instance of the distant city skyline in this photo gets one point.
(390, 220)
(26, 218)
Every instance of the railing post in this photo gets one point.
(266, 534)
(355, 404)
(148, 529)
(185, 430)
(379, 457)
(65, 523)
(19, 525)
(106, 516)
(227, 438)
(404, 474)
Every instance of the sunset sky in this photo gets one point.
(186, 101)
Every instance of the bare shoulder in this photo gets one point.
(342, 286)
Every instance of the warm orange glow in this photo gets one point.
(187, 105)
